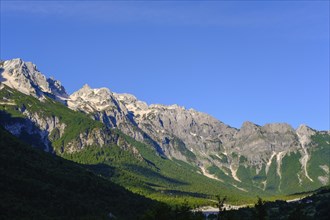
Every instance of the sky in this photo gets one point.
(258, 61)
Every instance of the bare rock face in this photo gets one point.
(176, 132)
(57, 89)
(90, 100)
(252, 139)
(180, 133)
(248, 129)
(26, 78)
(103, 106)
(304, 134)
(259, 145)
(36, 128)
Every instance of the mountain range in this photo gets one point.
(156, 150)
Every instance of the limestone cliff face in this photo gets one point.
(40, 130)
(176, 132)
(35, 128)
(103, 106)
(200, 139)
(26, 78)
(172, 126)
(258, 142)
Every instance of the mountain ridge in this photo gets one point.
(252, 153)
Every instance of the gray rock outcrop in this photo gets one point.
(176, 132)
(26, 78)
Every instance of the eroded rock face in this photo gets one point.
(174, 130)
(26, 78)
(305, 133)
(90, 100)
(101, 103)
(103, 106)
(183, 134)
(187, 134)
(36, 129)
(174, 127)
(253, 139)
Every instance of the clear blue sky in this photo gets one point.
(238, 61)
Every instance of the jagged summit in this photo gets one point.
(26, 78)
(177, 132)
(90, 100)
(86, 87)
(278, 128)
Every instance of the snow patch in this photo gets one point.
(234, 173)
(279, 158)
(270, 162)
(242, 189)
(205, 173)
(304, 159)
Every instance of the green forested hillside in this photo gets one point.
(144, 172)
(75, 122)
(38, 185)
(156, 177)
(140, 169)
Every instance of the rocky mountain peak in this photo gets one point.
(86, 87)
(132, 103)
(57, 89)
(305, 133)
(126, 98)
(248, 128)
(91, 100)
(87, 92)
(105, 106)
(278, 128)
(174, 131)
(305, 130)
(26, 78)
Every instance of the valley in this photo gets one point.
(149, 154)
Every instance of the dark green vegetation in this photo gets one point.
(38, 185)
(320, 157)
(315, 206)
(76, 122)
(154, 176)
(292, 178)
(178, 212)
(134, 165)
(291, 162)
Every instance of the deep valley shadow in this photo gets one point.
(26, 130)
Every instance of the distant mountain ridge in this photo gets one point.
(274, 157)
